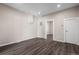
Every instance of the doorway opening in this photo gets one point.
(50, 30)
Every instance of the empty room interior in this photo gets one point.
(39, 28)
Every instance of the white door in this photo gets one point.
(41, 29)
(72, 30)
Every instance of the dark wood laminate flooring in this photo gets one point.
(40, 46)
(50, 36)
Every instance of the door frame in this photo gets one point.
(46, 21)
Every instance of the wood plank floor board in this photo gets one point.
(40, 46)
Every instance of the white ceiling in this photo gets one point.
(43, 8)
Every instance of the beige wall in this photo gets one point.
(14, 26)
(59, 21)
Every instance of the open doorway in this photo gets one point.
(50, 30)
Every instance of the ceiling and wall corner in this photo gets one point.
(51, 11)
(41, 8)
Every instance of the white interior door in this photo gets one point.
(72, 30)
(41, 29)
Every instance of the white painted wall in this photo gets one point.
(14, 26)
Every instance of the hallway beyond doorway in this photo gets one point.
(50, 36)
